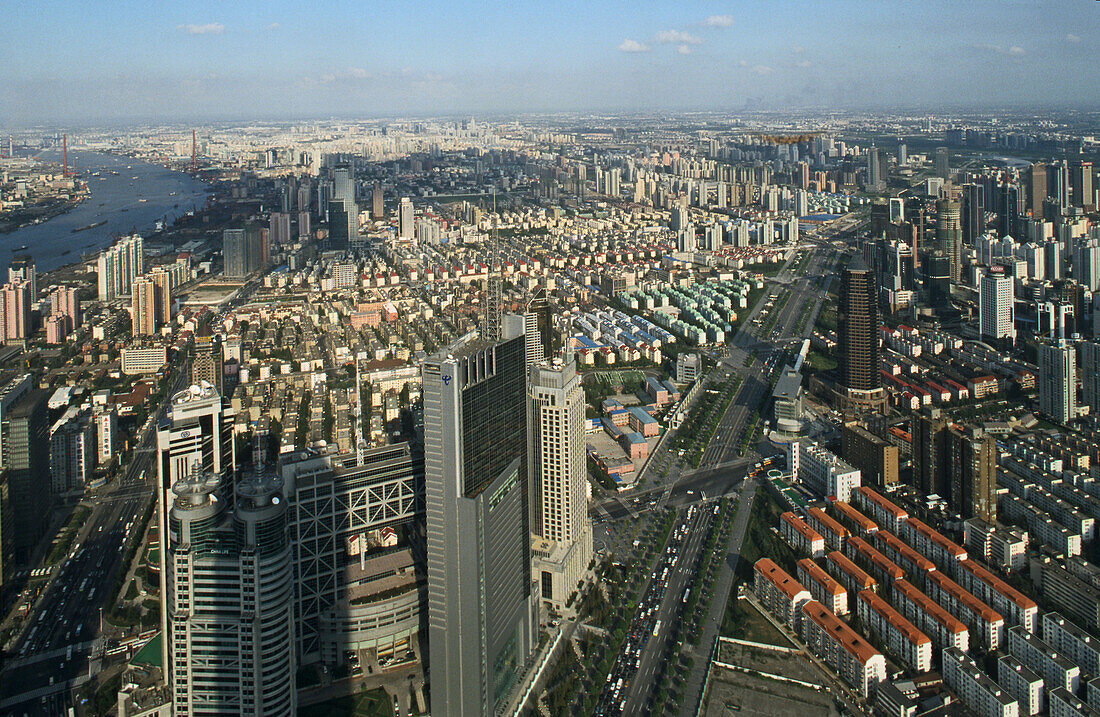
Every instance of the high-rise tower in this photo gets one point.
(857, 329)
(482, 614)
(949, 234)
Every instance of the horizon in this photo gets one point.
(208, 63)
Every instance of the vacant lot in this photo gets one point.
(750, 691)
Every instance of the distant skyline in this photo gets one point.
(114, 62)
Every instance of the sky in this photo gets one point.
(109, 61)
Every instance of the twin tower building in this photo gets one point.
(483, 531)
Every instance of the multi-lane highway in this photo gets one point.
(40, 669)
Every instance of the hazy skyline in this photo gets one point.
(119, 61)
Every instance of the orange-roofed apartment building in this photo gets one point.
(804, 539)
(781, 595)
(943, 627)
(841, 648)
(822, 586)
(903, 638)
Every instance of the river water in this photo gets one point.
(116, 195)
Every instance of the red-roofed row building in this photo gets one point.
(901, 636)
(782, 595)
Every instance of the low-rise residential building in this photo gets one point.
(1063, 703)
(934, 545)
(1055, 668)
(881, 568)
(782, 595)
(822, 586)
(882, 510)
(915, 565)
(1073, 642)
(984, 622)
(901, 636)
(982, 696)
(841, 648)
(804, 539)
(850, 575)
(1014, 606)
(999, 546)
(853, 520)
(827, 527)
(930, 617)
(1022, 683)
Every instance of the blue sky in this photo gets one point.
(65, 62)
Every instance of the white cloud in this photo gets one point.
(273, 26)
(677, 37)
(1073, 38)
(804, 63)
(210, 28)
(632, 46)
(1014, 50)
(684, 49)
(742, 63)
(762, 69)
(719, 21)
(797, 49)
(358, 73)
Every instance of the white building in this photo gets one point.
(105, 421)
(821, 470)
(996, 307)
(1021, 683)
(118, 265)
(562, 548)
(978, 692)
(72, 451)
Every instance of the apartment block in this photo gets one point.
(782, 595)
(930, 617)
(1055, 668)
(1014, 606)
(804, 539)
(982, 696)
(985, 623)
(822, 586)
(1025, 686)
(841, 648)
(883, 511)
(901, 636)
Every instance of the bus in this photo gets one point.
(657, 628)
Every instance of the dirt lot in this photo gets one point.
(750, 693)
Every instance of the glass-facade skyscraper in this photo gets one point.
(482, 613)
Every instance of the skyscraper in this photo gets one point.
(972, 473)
(25, 455)
(1058, 381)
(164, 282)
(857, 329)
(15, 310)
(1010, 210)
(143, 307)
(206, 364)
(558, 475)
(482, 616)
(406, 228)
(942, 164)
(22, 268)
(230, 598)
(376, 206)
(235, 252)
(118, 265)
(343, 178)
(1036, 188)
(949, 234)
(1090, 375)
(1080, 182)
(64, 302)
(196, 436)
(996, 309)
(971, 215)
(279, 228)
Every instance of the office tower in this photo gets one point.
(259, 248)
(406, 219)
(972, 473)
(339, 225)
(942, 165)
(857, 329)
(538, 329)
(937, 281)
(25, 455)
(949, 234)
(206, 364)
(1010, 210)
(1086, 265)
(1036, 189)
(1080, 182)
(897, 210)
(875, 181)
(903, 155)
(279, 229)
(230, 599)
(482, 616)
(64, 303)
(8, 561)
(996, 309)
(678, 220)
(143, 307)
(196, 435)
(72, 451)
(376, 206)
(1090, 375)
(343, 179)
(235, 252)
(164, 281)
(342, 518)
(1062, 185)
(1058, 381)
(558, 479)
(15, 306)
(802, 176)
(303, 226)
(22, 268)
(971, 213)
(118, 265)
(880, 217)
(105, 422)
(305, 191)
